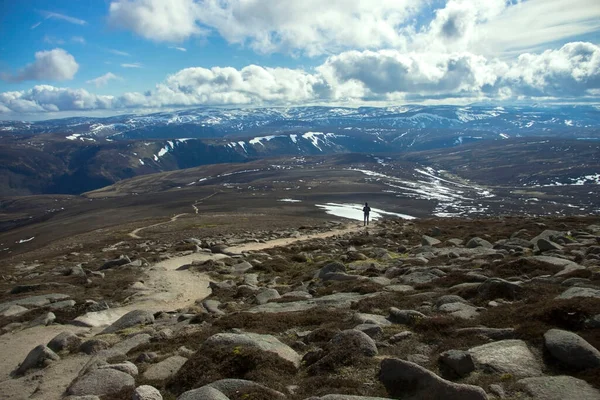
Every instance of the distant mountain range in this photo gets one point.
(74, 155)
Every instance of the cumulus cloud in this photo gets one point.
(158, 20)
(310, 26)
(104, 79)
(45, 98)
(54, 65)
(572, 71)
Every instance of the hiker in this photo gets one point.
(366, 211)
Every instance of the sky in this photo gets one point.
(101, 57)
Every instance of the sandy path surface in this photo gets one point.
(167, 289)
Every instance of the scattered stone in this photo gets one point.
(479, 242)
(146, 357)
(331, 268)
(212, 306)
(400, 336)
(404, 379)
(132, 318)
(372, 330)
(101, 382)
(495, 288)
(558, 388)
(267, 295)
(44, 320)
(39, 357)
(497, 391)
(571, 349)
(376, 319)
(506, 357)
(93, 346)
(263, 342)
(449, 298)
(418, 277)
(13, 310)
(115, 263)
(237, 387)
(455, 364)
(59, 305)
(65, 341)
(405, 317)
(460, 310)
(398, 288)
(126, 366)
(547, 245)
(429, 241)
(490, 333)
(354, 341)
(164, 369)
(203, 393)
(146, 392)
(579, 292)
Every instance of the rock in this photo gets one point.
(203, 393)
(126, 366)
(146, 392)
(59, 305)
(164, 369)
(429, 241)
(212, 306)
(146, 357)
(571, 349)
(241, 268)
(398, 288)
(495, 288)
(101, 382)
(372, 330)
(132, 318)
(44, 320)
(266, 295)
(593, 322)
(298, 294)
(39, 357)
(579, 292)
(127, 345)
(405, 317)
(418, 277)
(455, 364)
(263, 342)
(353, 341)
(547, 234)
(251, 279)
(407, 380)
(460, 310)
(237, 388)
(330, 268)
(115, 263)
(76, 271)
(558, 388)
(557, 262)
(547, 245)
(337, 300)
(506, 357)
(64, 341)
(93, 346)
(400, 336)
(479, 242)
(362, 318)
(13, 310)
(449, 298)
(345, 397)
(36, 301)
(455, 242)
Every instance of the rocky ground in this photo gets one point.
(498, 308)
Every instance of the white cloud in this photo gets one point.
(63, 17)
(158, 20)
(569, 72)
(132, 65)
(78, 39)
(45, 98)
(118, 52)
(178, 48)
(53, 40)
(55, 65)
(104, 79)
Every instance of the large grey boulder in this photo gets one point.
(12, 310)
(64, 341)
(334, 267)
(558, 388)
(132, 318)
(43, 320)
(263, 342)
(203, 393)
(478, 242)
(126, 366)
(429, 241)
(101, 382)
(354, 341)
(547, 245)
(495, 288)
(164, 369)
(460, 310)
(455, 364)
(39, 357)
(571, 349)
(147, 392)
(506, 357)
(237, 387)
(566, 266)
(407, 380)
(579, 292)
(264, 296)
(405, 317)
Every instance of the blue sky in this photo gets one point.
(66, 57)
